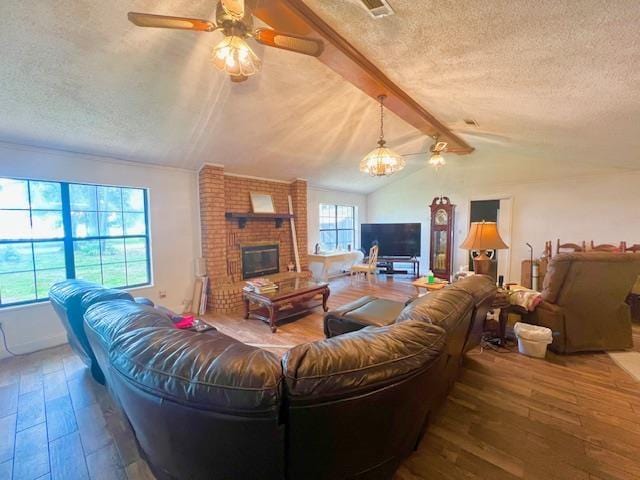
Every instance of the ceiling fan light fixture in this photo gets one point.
(234, 56)
(437, 160)
(382, 161)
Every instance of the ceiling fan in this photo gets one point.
(233, 54)
(436, 150)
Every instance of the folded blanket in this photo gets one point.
(525, 298)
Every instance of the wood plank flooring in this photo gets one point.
(508, 416)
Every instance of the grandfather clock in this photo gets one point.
(441, 250)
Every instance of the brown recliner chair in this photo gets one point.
(584, 301)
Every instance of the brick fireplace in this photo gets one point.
(223, 239)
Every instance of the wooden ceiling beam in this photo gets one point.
(295, 17)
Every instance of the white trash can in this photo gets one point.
(532, 339)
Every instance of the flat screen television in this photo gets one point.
(393, 239)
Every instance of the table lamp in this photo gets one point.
(483, 236)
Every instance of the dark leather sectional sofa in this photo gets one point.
(206, 406)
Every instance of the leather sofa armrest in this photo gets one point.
(550, 307)
(144, 301)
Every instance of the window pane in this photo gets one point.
(45, 195)
(136, 249)
(15, 224)
(110, 224)
(16, 257)
(112, 251)
(109, 199)
(345, 237)
(17, 287)
(134, 224)
(83, 197)
(49, 255)
(328, 240)
(86, 252)
(14, 193)
(90, 274)
(133, 199)
(345, 217)
(327, 223)
(84, 224)
(114, 275)
(46, 278)
(137, 273)
(47, 224)
(327, 210)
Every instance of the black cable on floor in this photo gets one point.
(6, 347)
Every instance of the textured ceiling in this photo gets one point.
(553, 86)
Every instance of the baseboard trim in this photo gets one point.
(35, 345)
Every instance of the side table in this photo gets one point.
(429, 287)
(502, 302)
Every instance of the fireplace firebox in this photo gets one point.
(258, 260)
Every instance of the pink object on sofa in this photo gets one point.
(186, 322)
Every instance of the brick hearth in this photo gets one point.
(222, 237)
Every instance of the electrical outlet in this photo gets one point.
(162, 294)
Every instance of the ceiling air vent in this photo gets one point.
(378, 8)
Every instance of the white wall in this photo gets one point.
(317, 195)
(604, 208)
(173, 218)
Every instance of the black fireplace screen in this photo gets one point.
(260, 260)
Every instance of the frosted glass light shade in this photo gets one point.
(437, 160)
(234, 56)
(382, 161)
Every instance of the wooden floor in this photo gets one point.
(508, 416)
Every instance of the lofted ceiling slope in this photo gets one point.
(553, 86)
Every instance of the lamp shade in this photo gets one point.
(483, 236)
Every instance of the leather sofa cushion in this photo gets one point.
(445, 308)
(79, 293)
(209, 371)
(356, 362)
(204, 370)
(102, 295)
(480, 287)
(109, 319)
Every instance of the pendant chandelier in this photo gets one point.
(382, 161)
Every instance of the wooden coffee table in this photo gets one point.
(293, 297)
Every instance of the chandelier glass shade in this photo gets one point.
(382, 161)
(234, 56)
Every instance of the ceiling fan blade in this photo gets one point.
(286, 41)
(234, 8)
(163, 21)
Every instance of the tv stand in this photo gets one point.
(388, 264)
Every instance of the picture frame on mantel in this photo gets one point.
(262, 203)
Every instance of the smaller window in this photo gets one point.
(337, 227)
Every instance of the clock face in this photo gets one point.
(441, 217)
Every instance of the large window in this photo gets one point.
(51, 231)
(337, 227)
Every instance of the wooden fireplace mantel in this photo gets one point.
(244, 217)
